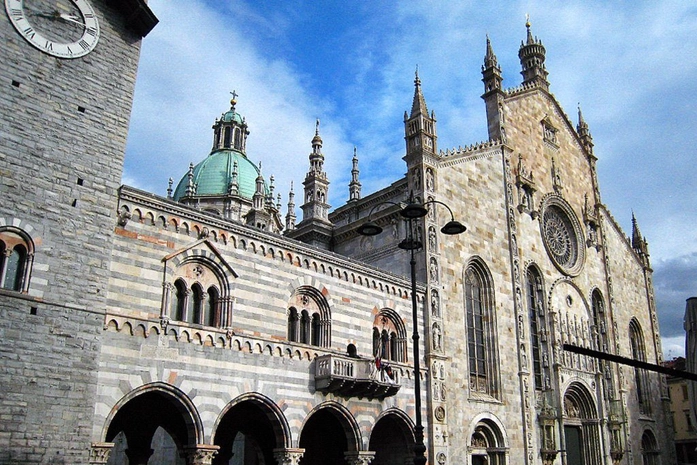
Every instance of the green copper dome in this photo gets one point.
(214, 175)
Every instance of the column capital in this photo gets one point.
(359, 457)
(288, 456)
(99, 452)
(201, 454)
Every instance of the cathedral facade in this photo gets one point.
(207, 327)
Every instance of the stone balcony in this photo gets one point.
(353, 377)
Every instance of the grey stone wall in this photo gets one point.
(64, 125)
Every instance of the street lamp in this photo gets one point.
(411, 212)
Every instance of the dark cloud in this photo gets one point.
(674, 280)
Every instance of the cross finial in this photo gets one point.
(233, 100)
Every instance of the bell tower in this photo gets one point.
(68, 71)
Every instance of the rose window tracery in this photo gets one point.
(562, 236)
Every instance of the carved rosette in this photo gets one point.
(99, 452)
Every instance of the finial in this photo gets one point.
(417, 81)
(317, 127)
(291, 186)
(354, 152)
(233, 100)
(527, 20)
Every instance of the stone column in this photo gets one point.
(99, 452)
(200, 454)
(288, 456)
(360, 457)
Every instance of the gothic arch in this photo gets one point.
(271, 411)
(487, 440)
(348, 423)
(480, 329)
(389, 336)
(175, 412)
(309, 316)
(392, 438)
(581, 424)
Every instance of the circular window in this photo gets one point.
(562, 237)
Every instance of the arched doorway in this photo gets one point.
(487, 444)
(328, 434)
(153, 425)
(249, 430)
(581, 423)
(392, 439)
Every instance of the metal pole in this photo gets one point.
(419, 447)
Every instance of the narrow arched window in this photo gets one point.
(316, 330)
(293, 325)
(14, 270)
(3, 258)
(211, 312)
(197, 304)
(385, 344)
(480, 331)
(536, 317)
(226, 138)
(641, 378)
(304, 327)
(16, 258)
(178, 307)
(238, 139)
(394, 347)
(376, 342)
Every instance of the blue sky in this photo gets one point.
(630, 65)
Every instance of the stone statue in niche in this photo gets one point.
(417, 179)
(432, 238)
(437, 337)
(435, 308)
(433, 270)
(429, 180)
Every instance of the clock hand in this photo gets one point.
(71, 19)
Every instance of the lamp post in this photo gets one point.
(412, 212)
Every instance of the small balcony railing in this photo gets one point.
(353, 377)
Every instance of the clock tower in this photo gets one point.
(69, 70)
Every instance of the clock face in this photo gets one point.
(62, 28)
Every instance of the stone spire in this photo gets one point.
(639, 243)
(259, 193)
(419, 127)
(491, 71)
(532, 59)
(583, 132)
(190, 186)
(315, 228)
(418, 106)
(493, 94)
(290, 216)
(354, 185)
(316, 183)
